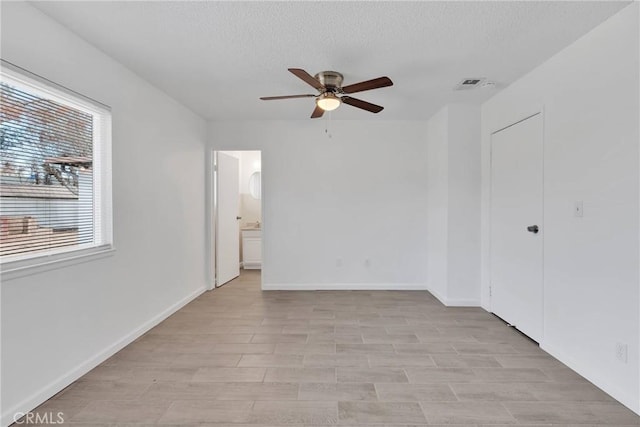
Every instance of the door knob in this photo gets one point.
(533, 229)
(238, 217)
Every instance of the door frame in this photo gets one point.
(211, 216)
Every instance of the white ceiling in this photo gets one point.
(218, 58)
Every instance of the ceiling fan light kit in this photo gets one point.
(331, 92)
(328, 101)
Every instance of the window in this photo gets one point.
(55, 198)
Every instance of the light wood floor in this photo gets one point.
(239, 356)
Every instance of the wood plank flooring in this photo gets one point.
(238, 356)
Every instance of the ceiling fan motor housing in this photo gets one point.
(332, 80)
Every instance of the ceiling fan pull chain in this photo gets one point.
(326, 128)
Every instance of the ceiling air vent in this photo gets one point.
(470, 83)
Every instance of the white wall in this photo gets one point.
(589, 97)
(358, 195)
(58, 324)
(250, 162)
(464, 205)
(250, 208)
(453, 167)
(438, 203)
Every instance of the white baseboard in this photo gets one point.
(451, 302)
(63, 381)
(252, 266)
(438, 296)
(344, 287)
(597, 378)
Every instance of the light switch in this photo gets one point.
(578, 210)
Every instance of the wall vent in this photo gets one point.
(470, 83)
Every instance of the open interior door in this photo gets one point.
(227, 227)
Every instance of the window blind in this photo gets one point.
(49, 197)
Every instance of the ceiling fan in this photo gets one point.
(332, 93)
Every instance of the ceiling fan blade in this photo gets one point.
(317, 113)
(302, 74)
(368, 85)
(358, 103)
(271, 98)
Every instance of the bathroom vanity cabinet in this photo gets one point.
(252, 249)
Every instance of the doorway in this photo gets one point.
(516, 225)
(236, 219)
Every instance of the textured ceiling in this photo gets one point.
(218, 58)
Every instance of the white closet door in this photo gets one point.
(516, 211)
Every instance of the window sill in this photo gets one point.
(17, 269)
